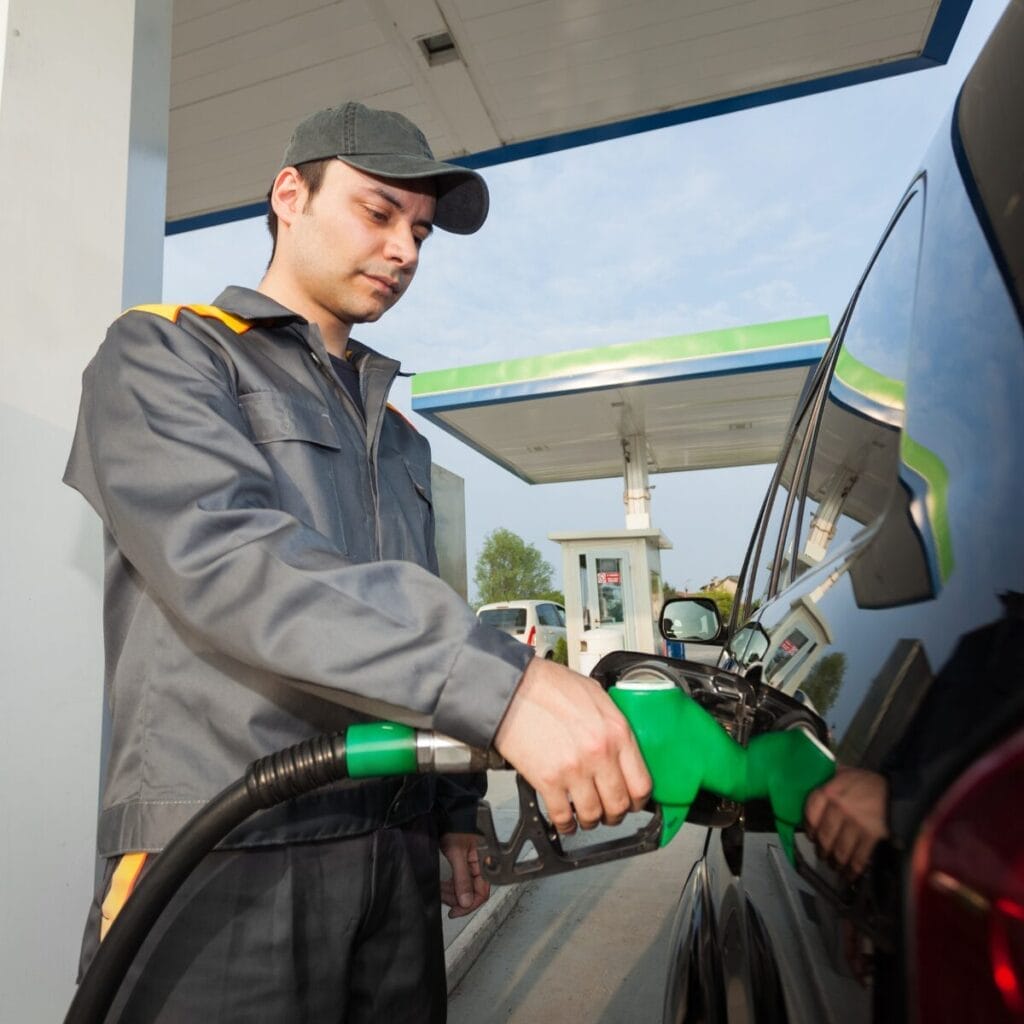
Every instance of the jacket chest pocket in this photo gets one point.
(407, 512)
(300, 443)
(276, 416)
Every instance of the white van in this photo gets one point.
(537, 623)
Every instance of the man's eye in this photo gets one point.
(380, 216)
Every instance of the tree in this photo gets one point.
(723, 599)
(823, 682)
(509, 569)
(561, 651)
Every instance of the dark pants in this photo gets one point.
(341, 931)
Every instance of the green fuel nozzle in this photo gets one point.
(687, 750)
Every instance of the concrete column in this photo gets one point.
(637, 496)
(84, 99)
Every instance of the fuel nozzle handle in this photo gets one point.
(686, 750)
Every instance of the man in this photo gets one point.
(268, 525)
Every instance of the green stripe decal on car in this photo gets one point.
(763, 337)
(931, 469)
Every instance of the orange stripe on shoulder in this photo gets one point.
(169, 312)
(401, 415)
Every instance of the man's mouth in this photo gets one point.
(385, 284)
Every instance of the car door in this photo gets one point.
(835, 545)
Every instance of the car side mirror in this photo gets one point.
(693, 619)
(748, 645)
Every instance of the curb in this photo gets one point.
(467, 946)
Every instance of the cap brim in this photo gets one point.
(462, 197)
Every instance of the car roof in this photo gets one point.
(526, 603)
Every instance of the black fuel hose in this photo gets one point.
(269, 781)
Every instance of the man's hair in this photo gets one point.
(312, 173)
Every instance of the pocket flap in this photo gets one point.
(276, 416)
(422, 485)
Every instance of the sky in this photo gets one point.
(756, 216)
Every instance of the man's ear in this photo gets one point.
(288, 195)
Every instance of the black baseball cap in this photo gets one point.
(388, 144)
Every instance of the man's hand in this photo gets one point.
(847, 816)
(466, 890)
(564, 735)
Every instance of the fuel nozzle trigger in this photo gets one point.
(503, 863)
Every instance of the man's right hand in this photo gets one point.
(564, 735)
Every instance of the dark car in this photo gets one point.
(881, 606)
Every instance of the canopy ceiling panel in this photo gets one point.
(493, 80)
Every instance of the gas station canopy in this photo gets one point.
(496, 80)
(698, 401)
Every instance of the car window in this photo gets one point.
(849, 479)
(503, 618)
(546, 615)
(761, 569)
(560, 614)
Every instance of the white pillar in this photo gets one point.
(84, 99)
(637, 495)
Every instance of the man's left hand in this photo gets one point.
(467, 889)
(847, 817)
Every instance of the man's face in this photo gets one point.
(354, 248)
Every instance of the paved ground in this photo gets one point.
(588, 946)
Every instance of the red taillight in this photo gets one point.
(531, 637)
(967, 954)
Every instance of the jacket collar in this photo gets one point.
(254, 306)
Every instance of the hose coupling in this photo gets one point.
(441, 754)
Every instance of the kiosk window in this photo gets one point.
(609, 589)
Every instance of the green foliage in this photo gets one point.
(723, 599)
(824, 680)
(509, 569)
(555, 596)
(561, 651)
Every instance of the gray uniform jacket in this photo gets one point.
(261, 534)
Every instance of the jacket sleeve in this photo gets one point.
(164, 455)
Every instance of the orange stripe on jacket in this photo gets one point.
(122, 883)
(169, 312)
(398, 412)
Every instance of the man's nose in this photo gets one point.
(401, 247)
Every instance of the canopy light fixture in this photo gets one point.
(439, 49)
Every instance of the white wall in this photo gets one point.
(83, 128)
(448, 491)
(3, 35)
